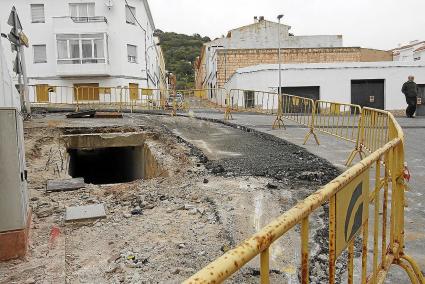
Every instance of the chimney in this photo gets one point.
(261, 18)
(255, 19)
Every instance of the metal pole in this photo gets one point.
(21, 64)
(225, 65)
(24, 90)
(280, 64)
(146, 56)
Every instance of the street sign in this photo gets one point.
(351, 211)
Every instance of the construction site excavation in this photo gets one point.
(272, 152)
(175, 199)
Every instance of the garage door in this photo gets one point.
(368, 93)
(310, 92)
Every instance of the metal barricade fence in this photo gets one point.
(350, 219)
(338, 119)
(204, 98)
(46, 95)
(253, 101)
(375, 123)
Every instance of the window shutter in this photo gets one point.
(40, 54)
(132, 53)
(37, 13)
(130, 14)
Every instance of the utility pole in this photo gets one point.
(18, 40)
(278, 123)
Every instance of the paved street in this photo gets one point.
(337, 151)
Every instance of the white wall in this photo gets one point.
(119, 35)
(334, 79)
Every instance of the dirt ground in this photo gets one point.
(220, 186)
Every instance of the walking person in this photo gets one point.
(410, 90)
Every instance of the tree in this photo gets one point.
(180, 52)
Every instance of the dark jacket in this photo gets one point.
(410, 89)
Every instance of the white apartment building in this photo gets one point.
(412, 51)
(96, 43)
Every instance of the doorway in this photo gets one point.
(368, 93)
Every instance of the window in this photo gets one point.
(37, 13)
(81, 10)
(40, 54)
(130, 15)
(81, 49)
(132, 53)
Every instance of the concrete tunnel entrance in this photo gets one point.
(107, 165)
(109, 158)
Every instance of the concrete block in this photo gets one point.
(84, 213)
(65, 185)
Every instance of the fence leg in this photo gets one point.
(174, 111)
(278, 123)
(358, 150)
(228, 110)
(264, 267)
(311, 132)
(78, 103)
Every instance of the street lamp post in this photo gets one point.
(279, 59)
(278, 123)
(146, 60)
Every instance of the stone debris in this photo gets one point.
(65, 185)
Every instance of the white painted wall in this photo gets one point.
(118, 71)
(9, 96)
(334, 79)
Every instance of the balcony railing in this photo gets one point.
(96, 19)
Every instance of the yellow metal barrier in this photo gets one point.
(253, 101)
(128, 98)
(338, 119)
(375, 125)
(351, 217)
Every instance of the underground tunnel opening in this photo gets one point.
(111, 158)
(107, 165)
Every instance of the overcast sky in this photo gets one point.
(381, 24)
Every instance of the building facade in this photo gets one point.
(258, 44)
(96, 43)
(371, 84)
(413, 51)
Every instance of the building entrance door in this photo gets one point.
(368, 93)
(420, 110)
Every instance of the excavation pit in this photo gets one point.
(110, 158)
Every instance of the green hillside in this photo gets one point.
(180, 52)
